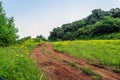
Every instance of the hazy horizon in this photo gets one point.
(37, 17)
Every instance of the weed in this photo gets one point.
(15, 63)
(71, 64)
(87, 71)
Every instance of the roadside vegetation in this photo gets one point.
(104, 52)
(16, 64)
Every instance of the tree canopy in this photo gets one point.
(98, 23)
(7, 28)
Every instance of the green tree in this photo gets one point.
(115, 12)
(40, 38)
(7, 28)
(98, 23)
(106, 25)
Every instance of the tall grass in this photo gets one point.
(106, 52)
(16, 64)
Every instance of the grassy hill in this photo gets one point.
(105, 52)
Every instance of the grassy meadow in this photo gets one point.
(105, 52)
(15, 62)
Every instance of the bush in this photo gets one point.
(7, 29)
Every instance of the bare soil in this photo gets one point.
(54, 65)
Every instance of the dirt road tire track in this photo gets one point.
(52, 63)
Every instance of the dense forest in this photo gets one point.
(99, 23)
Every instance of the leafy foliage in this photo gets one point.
(7, 28)
(98, 23)
(105, 26)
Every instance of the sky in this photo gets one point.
(39, 17)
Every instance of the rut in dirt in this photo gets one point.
(54, 65)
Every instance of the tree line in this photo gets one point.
(98, 23)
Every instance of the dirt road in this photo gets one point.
(59, 66)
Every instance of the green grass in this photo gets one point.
(106, 52)
(88, 71)
(16, 64)
(85, 70)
